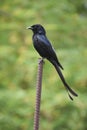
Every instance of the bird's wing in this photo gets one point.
(43, 39)
(46, 49)
(46, 45)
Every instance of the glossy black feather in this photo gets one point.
(45, 49)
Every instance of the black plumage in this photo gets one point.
(45, 49)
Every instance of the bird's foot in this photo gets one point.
(41, 60)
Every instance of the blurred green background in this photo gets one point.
(66, 25)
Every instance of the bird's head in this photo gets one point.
(37, 29)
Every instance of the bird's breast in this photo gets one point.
(35, 38)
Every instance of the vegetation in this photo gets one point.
(66, 25)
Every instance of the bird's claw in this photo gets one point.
(41, 60)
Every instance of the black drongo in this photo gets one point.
(45, 49)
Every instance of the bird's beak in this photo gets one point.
(29, 27)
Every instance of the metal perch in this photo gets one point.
(38, 94)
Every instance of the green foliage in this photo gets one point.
(66, 25)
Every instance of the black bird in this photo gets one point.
(45, 49)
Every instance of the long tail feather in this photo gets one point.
(63, 80)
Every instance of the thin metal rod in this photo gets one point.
(38, 94)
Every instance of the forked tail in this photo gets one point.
(63, 80)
